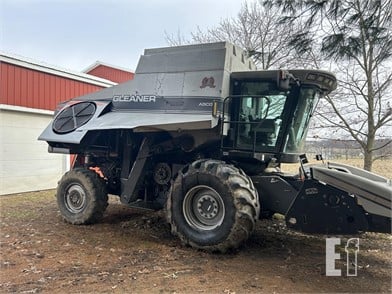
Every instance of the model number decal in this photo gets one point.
(134, 98)
(208, 104)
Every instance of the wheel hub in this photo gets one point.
(207, 207)
(75, 198)
(203, 208)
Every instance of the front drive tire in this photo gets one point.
(81, 197)
(212, 206)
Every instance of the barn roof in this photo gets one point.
(52, 69)
(100, 63)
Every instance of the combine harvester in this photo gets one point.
(202, 133)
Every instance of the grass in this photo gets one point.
(380, 167)
(19, 214)
(33, 197)
(25, 205)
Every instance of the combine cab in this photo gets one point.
(202, 134)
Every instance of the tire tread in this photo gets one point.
(245, 199)
(95, 186)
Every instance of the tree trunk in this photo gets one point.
(368, 151)
(368, 161)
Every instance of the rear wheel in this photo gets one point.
(212, 205)
(81, 197)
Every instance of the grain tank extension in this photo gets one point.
(201, 133)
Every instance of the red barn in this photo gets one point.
(29, 92)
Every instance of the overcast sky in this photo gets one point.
(75, 33)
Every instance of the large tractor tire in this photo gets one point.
(81, 197)
(212, 206)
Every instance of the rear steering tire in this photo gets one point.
(212, 205)
(81, 197)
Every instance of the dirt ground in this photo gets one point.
(132, 251)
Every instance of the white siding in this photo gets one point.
(25, 164)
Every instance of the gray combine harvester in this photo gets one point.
(202, 133)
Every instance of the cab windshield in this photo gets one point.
(266, 119)
(295, 139)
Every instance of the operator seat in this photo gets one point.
(264, 130)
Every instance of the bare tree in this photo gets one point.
(356, 34)
(255, 29)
